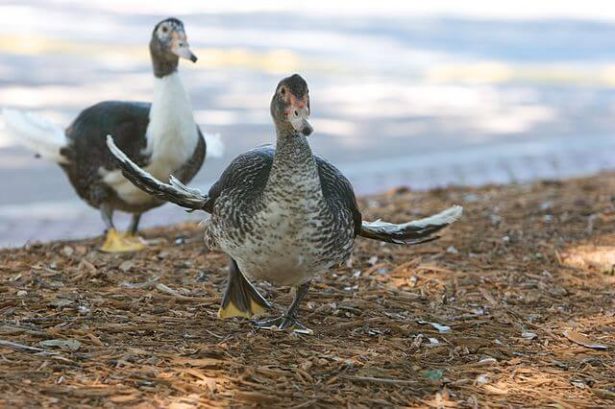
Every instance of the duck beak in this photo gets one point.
(300, 123)
(180, 47)
(306, 128)
(299, 114)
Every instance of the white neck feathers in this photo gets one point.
(171, 133)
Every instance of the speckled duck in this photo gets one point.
(162, 137)
(282, 214)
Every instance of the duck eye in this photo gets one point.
(296, 113)
(165, 29)
(283, 91)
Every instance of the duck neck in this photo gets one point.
(163, 63)
(169, 88)
(171, 130)
(293, 164)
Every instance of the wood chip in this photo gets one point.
(582, 340)
(150, 336)
(69, 344)
(370, 379)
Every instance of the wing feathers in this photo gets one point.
(36, 133)
(414, 232)
(175, 192)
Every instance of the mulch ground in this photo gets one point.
(513, 307)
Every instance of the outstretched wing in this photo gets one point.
(175, 191)
(414, 232)
(246, 175)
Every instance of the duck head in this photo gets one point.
(290, 106)
(168, 44)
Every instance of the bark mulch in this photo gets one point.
(513, 307)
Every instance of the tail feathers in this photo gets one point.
(36, 133)
(175, 192)
(215, 146)
(414, 232)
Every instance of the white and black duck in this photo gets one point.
(281, 213)
(162, 137)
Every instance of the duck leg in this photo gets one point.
(131, 236)
(240, 299)
(134, 224)
(289, 319)
(115, 242)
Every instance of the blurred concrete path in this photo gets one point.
(43, 221)
(406, 94)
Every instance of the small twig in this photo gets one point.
(306, 404)
(216, 335)
(24, 348)
(177, 295)
(168, 290)
(389, 381)
(147, 284)
(18, 329)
